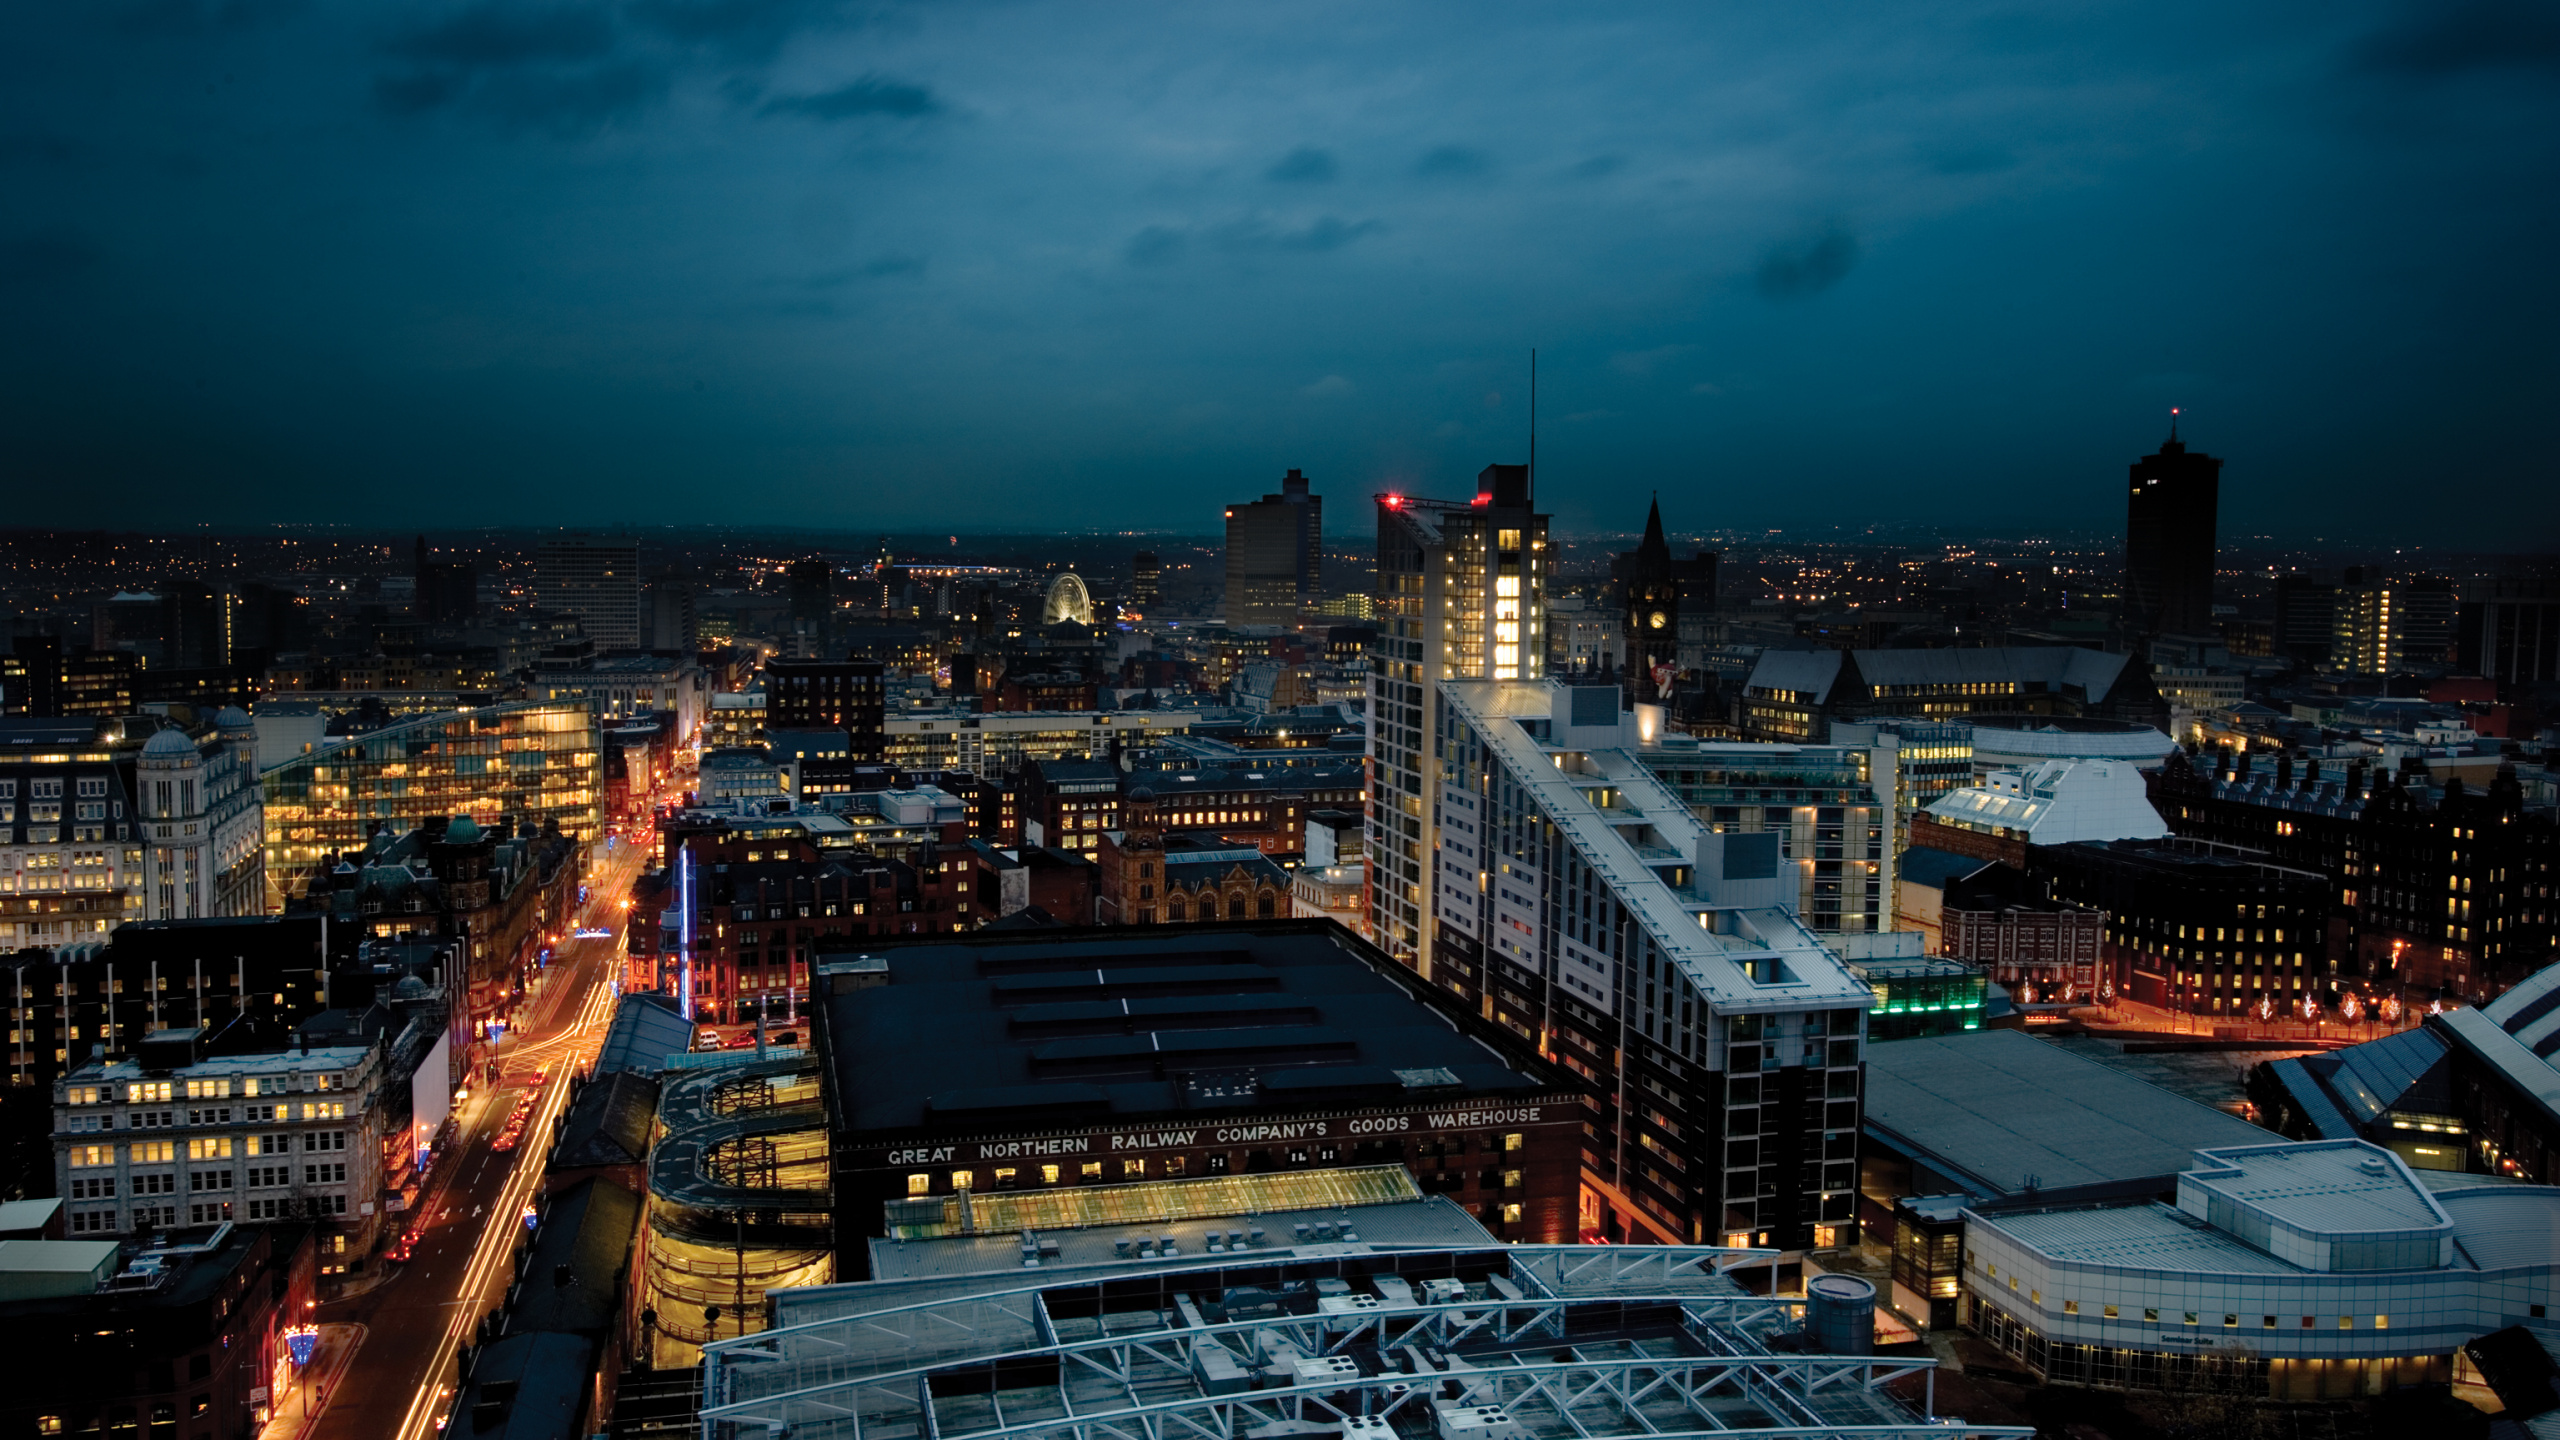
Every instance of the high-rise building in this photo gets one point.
(1275, 548)
(1587, 907)
(1461, 590)
(2306, 618)
(448, 590)
(2380, 626)
(596, 580)
(2169, 538)
(811, 585)
(667, 616)
(1652, 615)
(1146, 579)
(2512, 633)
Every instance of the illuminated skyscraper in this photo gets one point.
(1461, 594)
(2169, 538)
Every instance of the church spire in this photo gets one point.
(1653, 544)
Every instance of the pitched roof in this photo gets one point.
(609, 1122)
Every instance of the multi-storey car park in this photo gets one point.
(1321, 1333)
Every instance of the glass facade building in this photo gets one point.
(535, 761)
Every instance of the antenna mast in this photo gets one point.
(1533, 427)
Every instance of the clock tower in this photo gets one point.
(1653, 616)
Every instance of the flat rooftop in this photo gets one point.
(2327, 1188)
(994, 1031)
(2139, 1237)
(1992, 1108)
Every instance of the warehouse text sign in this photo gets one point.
(1106, 1142)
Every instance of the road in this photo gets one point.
(401, 1381)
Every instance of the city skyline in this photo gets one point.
(861, 270)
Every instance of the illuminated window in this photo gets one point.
(1091, 1170)
(1048, 1174)
(1511, 1214)
(919, 1184)
(1133, 1169)
(1513, 1141)
(963, 1179)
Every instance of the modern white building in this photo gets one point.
(2328, 1268)
(2056, 802)
(1581, 904)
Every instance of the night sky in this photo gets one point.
(1104, 266)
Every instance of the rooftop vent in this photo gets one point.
(2372, 1165)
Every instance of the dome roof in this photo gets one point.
(171, 744)
(462, 831)
(409, 988)
(233, 718)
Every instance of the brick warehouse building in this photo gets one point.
(2434, 888)
(763, 903)
(1087, 1065)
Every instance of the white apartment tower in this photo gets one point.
(1584, 906)
(1461, 593)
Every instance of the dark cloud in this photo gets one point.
(1453, 162)
(1327, 233)
(862, 98)
(417, 91)
(201, 17)
(1156, 245)
(1809, 266)
(571, 104)
(495, 36)
(2434, 39)
(1253, 235)
(1306, 164)
(741, 29)
(48, 256)
(559, 71)
(885, 267)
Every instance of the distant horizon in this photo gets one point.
(855, 537)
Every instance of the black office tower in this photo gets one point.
(2168, 540)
